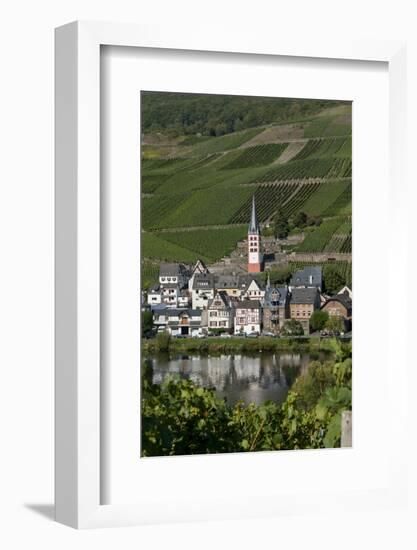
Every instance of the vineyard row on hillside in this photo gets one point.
(315, 148)
(309, 168)
(258, 155)
(333, 235)
(288, 197)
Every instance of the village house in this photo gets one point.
(173, 279)
(228, 284)
(184, 298)
(154, 295)
(183, 322)
(169, 294)
(276, 308)
(220, 312)
(304, 301)
(248, 317)
(308, 277)
(202, 290)
(198, 269)
(173, 274)
(160, 317)
(251, 288)
(340, 305)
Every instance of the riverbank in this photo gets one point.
(212, 346)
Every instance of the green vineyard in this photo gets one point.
(196, 190)
(333, 235)
(288, 197)
(149, 272)
(259, 155)
(332, 147)
(225, 143)
(341, 205)
(309, 168)
(212, 244)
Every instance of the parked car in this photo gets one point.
(253, 335)
(267, 333)
(225, 335)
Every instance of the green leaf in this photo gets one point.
(333, 432)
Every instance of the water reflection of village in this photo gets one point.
(237, 377)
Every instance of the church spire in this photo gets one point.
(253, 226)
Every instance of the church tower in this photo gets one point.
(255, 260)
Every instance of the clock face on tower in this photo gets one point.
(253, 257)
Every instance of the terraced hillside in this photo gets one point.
(197, 189)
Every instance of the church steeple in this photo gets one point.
(255, 257)
(268, 282)
(253, 226)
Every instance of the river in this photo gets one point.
(253, 379)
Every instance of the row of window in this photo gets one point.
(303, 314)
(219, 313)
(244, 320)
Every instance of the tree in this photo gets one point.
(333, 279)
(279, 276)
(300, 220)
(292, 328)
(147, 322)
(335, 324)
(318, 319)
(281, 225)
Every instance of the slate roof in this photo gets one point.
(308, 276)
(227, 281)
(253, 225)
(343, 298)
(283, 294)
(245, 281)
(169, 270)
(178, 324)
(203, 281)
(304, 296)
(224, 297)
(197, 266)
(174, 312)
(248, 304)
(154, 288)
(159, 309)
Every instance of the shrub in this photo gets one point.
(292, 328)
(335, 324)
(163, 340)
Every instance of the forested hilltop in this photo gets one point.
(178, 114)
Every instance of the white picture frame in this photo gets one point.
(78, 264)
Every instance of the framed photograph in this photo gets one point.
(220, 204)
